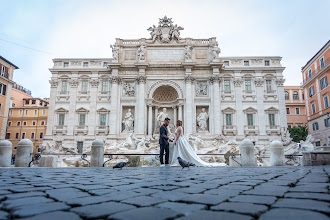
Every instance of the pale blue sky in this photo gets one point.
(293, 29)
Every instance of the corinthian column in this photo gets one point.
(114, 119)
(141, 105)
(188, 106)
(150, 120)
(217, 123)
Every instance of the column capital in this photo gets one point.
(238, 82)
(53, 82)
(94, 82)
(259, 82)
(115, 79)
(141, 79)
(214, 79)
(74, 83)
(189, 79)
(280, 82)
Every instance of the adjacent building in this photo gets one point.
(295, 106)
(18, 93)
(27, 121)
(229, 98)
(316, 75)
(6, 82)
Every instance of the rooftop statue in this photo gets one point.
(165, 31)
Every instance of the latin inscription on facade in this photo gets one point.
(165, 54)
(130, 55)
(201, 54)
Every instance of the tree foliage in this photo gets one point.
(298, 133)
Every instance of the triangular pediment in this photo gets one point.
(82, 110)
(228, 110)
(271, 109)
(104, 110)
(61, 110)
(250, 109)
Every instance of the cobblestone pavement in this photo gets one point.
(165, 193)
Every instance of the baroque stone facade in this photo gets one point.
(231, 97)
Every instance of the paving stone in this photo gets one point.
(306, 188)
(23, 195)
(122, 196)
(90, 187)
(146, 191)
(145, 213)
(4, 215)
(303, 204)
(203, 199)
(265, 200)
(30, 189)
(87, 200)
(144, 200)
(289, 214)
(4, 192)
(14, 203)
(235, 186)
(181, 207)
(100, 192)
(265, 192)
(316, 196)
(169, 196)
(101, 210)
(245, 208)
(189, 190)
(29, 210)
(165, 188)
(54, 216)
(66, 194)
(206, 215)
(225, 192)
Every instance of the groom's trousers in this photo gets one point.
(164, 147)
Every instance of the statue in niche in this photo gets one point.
(128, 121)
(215, 52)
(128, 89)
(160, 120)
(161, 116)
(202, 120)
(141, 52)
(201, 89)
(115, 50)
(187, 52)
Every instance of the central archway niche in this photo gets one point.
(165, 96)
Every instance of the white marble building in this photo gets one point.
(109, 98)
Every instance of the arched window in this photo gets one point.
(295, 95)
(286, 95)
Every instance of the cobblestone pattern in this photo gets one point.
(165, 193)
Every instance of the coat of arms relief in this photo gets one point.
(165, 32)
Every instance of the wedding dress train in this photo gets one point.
(185, 151)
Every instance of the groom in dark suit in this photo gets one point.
(163, 141)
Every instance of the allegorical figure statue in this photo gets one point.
(114, 52)
(202, 120)
(215, 51)
(155, 32)
(141, 52)
(128, 121)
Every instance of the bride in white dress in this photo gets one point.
(183, 149)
